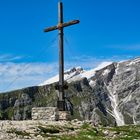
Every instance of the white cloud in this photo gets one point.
(9, 57)
(19, 75)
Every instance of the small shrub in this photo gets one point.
(85, 126)
(50, 130)
(17, 132)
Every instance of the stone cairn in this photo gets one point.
(49, 114)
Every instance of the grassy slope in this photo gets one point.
(112, 133)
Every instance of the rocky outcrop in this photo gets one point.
(121, 84)
(111, 96)
(65, 130)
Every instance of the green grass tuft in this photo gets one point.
(18, 132)
(51, 130)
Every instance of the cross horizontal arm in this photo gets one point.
(51, 29)
(71, 23)
(61, 25)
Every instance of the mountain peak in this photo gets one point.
(76, 73)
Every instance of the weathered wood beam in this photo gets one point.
(61, 25)
(51, 29)
(71, 23)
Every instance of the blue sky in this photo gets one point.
(109, 31)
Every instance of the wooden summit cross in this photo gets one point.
(59, 27)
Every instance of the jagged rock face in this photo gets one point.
(111, 96)
(121, 83)
(125, 86)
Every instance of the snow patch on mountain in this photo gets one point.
(105, 72)
(91, 73)
(76, 74)
(67, 75)
(116, 113)
(92, 83)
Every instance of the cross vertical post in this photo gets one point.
(61, 100)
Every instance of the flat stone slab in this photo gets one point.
(64, 115)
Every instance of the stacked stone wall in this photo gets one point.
(49, 114)
(45, 113)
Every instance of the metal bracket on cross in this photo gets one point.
(60, 87)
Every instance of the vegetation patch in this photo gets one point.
(10, 113)
(129, 132)
(1, 114)
(88, 132)
(85, 126)
(50, 129)
(18, 132)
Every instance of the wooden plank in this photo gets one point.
(71, 23)
(51, 29)
(62, 26)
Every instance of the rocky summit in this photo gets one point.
(65, 130)
(108, 95)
